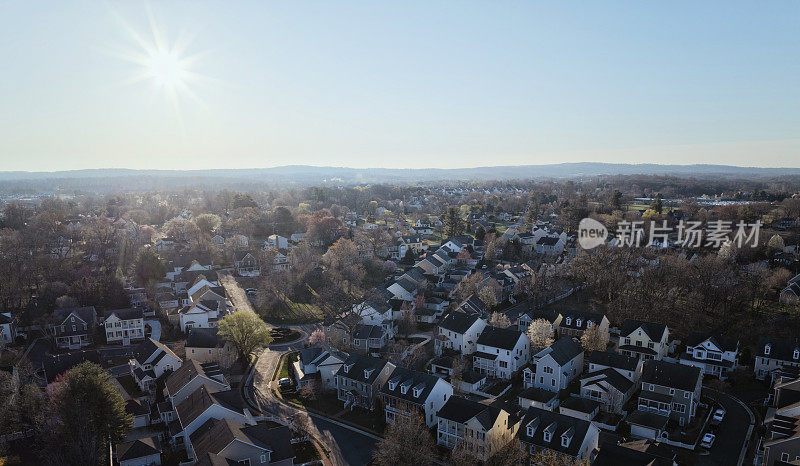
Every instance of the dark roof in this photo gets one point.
(563, 350)
(402, 377)
(614, 378)
(584, 317)
(202, 338)
(503, 338)
(358, 363)
(722, 342)
(125, 314)
(364, 331)
(631, 454)
(669, 374)
(136, 407)
(458, 322)
(201, 399)
(87, 314)
(613, 359)
(474, 304)
(461, 410)
(57, 364)
(4, 319)
(653, 330)
(779, 348)
(583, 405)
(559, 424)
(215, 434)
(188, 371)
(149, 346)
(647, 419)
(527, 308)
(537, 394)
(138, 448)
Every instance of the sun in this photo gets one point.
(164, 63)
(166, 69)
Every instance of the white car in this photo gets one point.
(284, 382)
(719, 415)
(708, 440)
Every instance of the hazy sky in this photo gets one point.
(398, 83)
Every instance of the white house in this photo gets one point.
(276, 242)
(714, 354)
(542, 430)
(323, 360)
(501, 352)
(407, 391)
(151, 360)
(556, 366)
(7, 330)
(459, 331)
(203, 404)
(124, 325)
(611, 380)
(644, 340)
(191, 376)
(203, 314)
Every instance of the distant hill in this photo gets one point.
(303, 174)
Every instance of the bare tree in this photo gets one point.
(499, 320)
(540, 333)
(594, 338)
(407, 442)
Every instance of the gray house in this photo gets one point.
(359, 380)
(670, 390)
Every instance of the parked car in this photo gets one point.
(285, 382)
(718, 416)
(708, 440)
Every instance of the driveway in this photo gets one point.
(155, 325)
(732, 434)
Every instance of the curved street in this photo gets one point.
(733, 433)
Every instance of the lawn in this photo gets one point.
(305, 452)
(286, 366)
(297, 313)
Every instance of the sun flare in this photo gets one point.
(166, 69)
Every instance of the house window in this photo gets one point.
(548, 436)
(263, 458)
(784, 456)
(766, 349)
(796, 354)
(671, 391)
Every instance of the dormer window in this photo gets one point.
(417, 392)
(548, 432)
(392, 384)
(531, 428)
(347, 368)
(796, 354)
(566, 437)
(405, 386)
(367, 373)
(578, 323)
(569, 320)
(766, 349)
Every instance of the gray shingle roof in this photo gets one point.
(669, 374)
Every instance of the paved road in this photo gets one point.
(732, 433)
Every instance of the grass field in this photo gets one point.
(297, 313)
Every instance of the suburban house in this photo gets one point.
(124, 325)
(359, 380)
(203, 404)
(550, 246)
(566, 436)
(791, 294)
(501, 352)
(151, 360)
(369, 338)
(320, 360)
(611, 380)
(8, 331)
(191, 376)
(276, 242)
(378, 312)
(202, 314)
(409, 391)
(670, 391)
(204, 345)
(73, 328)
(403, 289)
(246, 264)
(574, 323)
(539, 398)
(477, 426)
(139, 452)
(781, 441)
(773, 354)
(714, 354)
(579, 407)
(459, 332)
(555, 366)
(226, 442)
(644, 340)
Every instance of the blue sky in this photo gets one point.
(401, 84)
